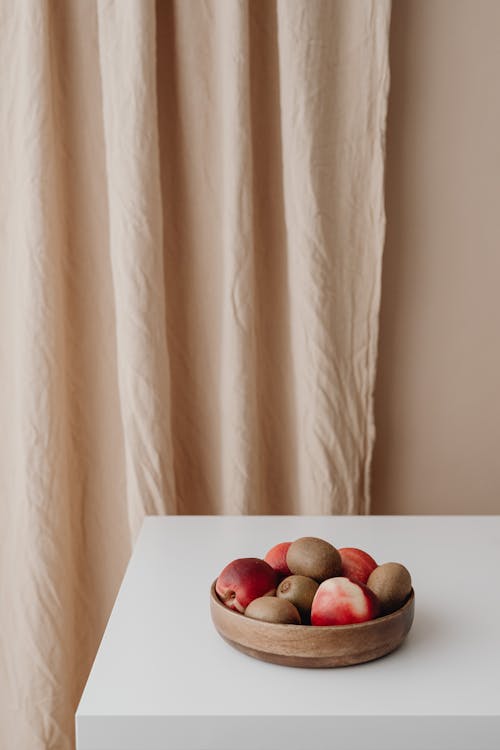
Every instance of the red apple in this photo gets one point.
(356, 564)
(339, 601)
(244, 580)
(276, 557)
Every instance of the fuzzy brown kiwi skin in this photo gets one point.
(272, 609)
(299, 590)
(314, 558)
(391, 583)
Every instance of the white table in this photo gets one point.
(163, 679)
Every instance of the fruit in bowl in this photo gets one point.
(300, 591)
(314, 558)
(356, 564)
(335, 608)
(391, 582)
(276, 558)
(323, 585)
(339, 601)
(272, 609)
(244, 580)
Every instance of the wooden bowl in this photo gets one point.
(313, 646)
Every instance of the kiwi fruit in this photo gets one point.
(313, 558)
(391, 582)
(299, 590)
(272, 609)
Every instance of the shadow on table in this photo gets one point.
(427, 629)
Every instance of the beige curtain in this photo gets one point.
(191, 235)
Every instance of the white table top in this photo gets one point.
(163, 677)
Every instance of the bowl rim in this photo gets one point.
(311, 628)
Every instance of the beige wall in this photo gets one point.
(438, 388)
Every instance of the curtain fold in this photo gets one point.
(39, 607)
(333, 109)
(127, 42)
(191, 233)
(239, 448)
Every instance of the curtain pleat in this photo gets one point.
(333, 84)
(238, 367)
(127, 34)
(191, 233)
(38, 609)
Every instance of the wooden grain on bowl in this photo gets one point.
(310, 646)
